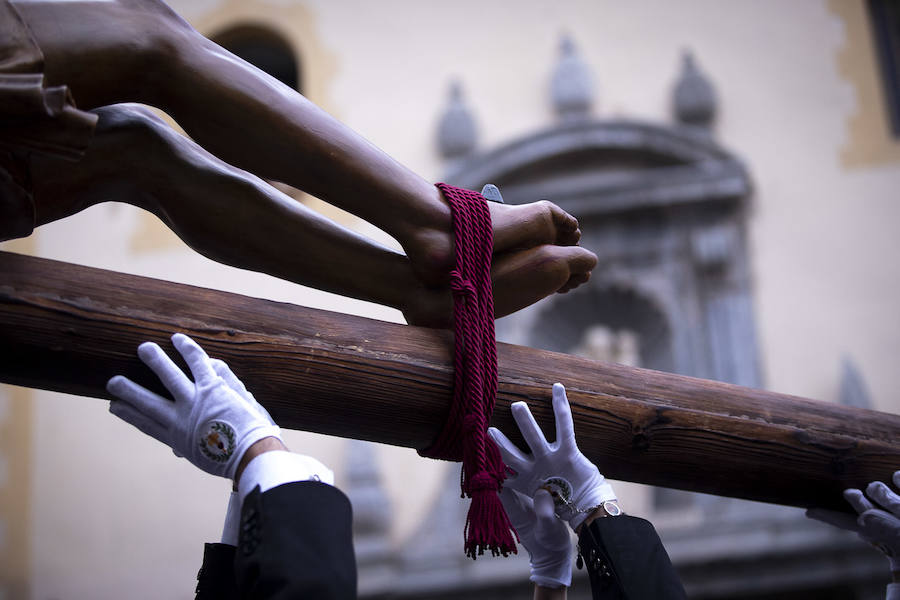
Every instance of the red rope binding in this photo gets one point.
(464, 436)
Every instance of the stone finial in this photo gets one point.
(456, 129)
(693, 99)
(853, 388)
(571, 87)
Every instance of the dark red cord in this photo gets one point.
(464, 436)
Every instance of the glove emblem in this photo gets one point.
(560, 489)
(217, 441)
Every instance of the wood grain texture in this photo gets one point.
(70, 328)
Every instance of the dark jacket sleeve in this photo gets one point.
(626, 560)
(215, 581)
(296, 542)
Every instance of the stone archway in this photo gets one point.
(633, 326)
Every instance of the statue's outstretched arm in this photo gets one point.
(238, 219)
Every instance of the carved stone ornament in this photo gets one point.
(694, 100)
(571, 88)
(457, 135)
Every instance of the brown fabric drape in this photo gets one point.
(33, 118)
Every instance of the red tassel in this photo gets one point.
(488, 527)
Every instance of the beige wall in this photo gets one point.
(113, 514)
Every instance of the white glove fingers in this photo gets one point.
(565, 428)
(834, 518)
(195, 357)
(896, 479)
(532, 433)
(551, 533)
(154, 406)
(544, 509)
(879, 522)
(510, 453)
(142, 422)
(518, 507)
(171, 376)
(884, 497)
(221, 368)
(857, 500)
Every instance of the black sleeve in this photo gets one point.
(296, 542)
(626, 561)
(215, 581)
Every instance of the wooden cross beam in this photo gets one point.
(69, 328)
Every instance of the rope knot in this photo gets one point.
(483, 482)
(462, 288)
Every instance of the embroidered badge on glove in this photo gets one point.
(560, 490)
(217, 441)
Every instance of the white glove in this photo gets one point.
(560, 468)
(209, 423)
(544, 536)
(877, 524)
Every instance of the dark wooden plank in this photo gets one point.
(69, 328)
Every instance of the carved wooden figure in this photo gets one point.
(56, 159)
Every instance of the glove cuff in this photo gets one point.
(248, 439)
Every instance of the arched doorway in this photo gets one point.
(614, 323)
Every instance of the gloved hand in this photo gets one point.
(544, 536)
(878, 520)
(213, 419)
(560, 468)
